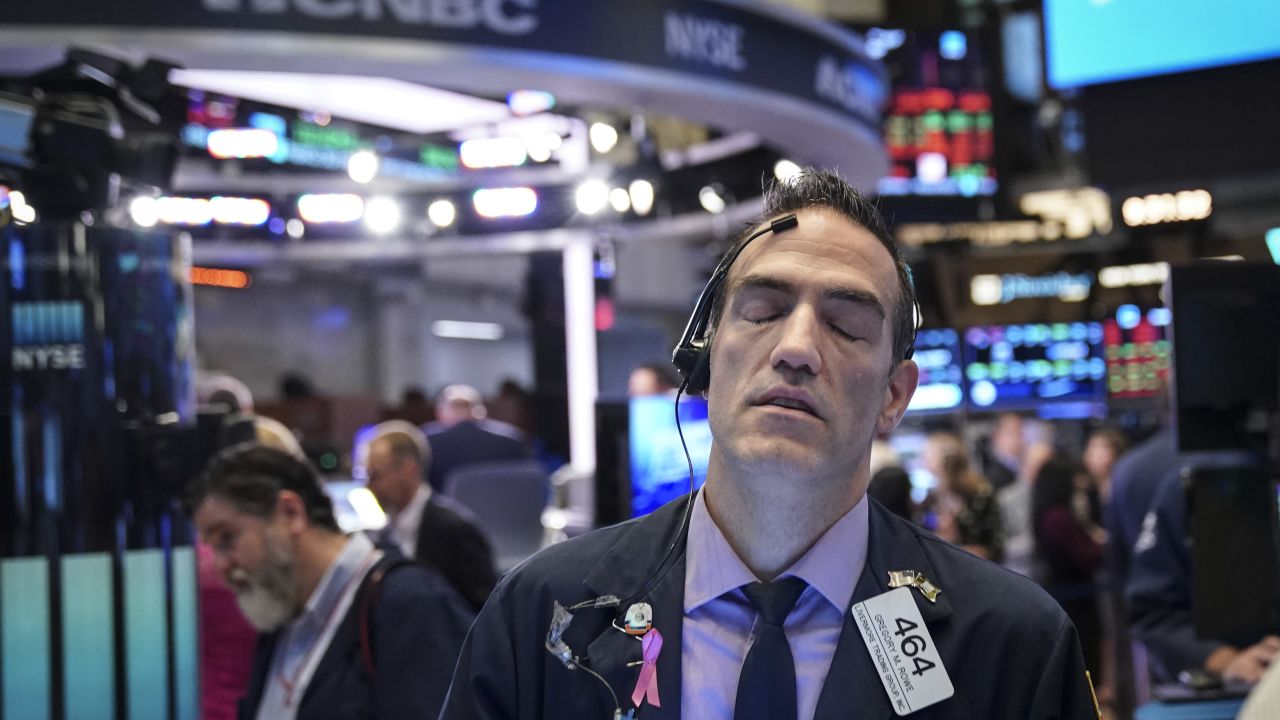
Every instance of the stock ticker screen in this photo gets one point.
(941, 386)
(939, 127)
(1137, 352)
(1026, 366)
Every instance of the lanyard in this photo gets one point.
(296, 685)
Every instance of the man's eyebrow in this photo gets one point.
(840, 294)
(857, 297)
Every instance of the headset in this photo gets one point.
(692, 356)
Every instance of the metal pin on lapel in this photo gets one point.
(639, 619)
(917, 580)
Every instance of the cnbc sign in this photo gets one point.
(48, 336)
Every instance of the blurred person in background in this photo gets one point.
(462, 435)
(1101, 452)
(965, 504)
(422, 524)
(347, 632)
(414, 407)
(652, 379)
(1015, 503)
(1069, 545)
(1008, 443)
(513, 405)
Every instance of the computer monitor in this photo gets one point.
(941, 386)
(1226, 354)
(658, 464)
(1025, 367)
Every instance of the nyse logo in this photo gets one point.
(703, 40)
(48, 336)
(505, 17)
(852, 87)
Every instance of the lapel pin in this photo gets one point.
(639, 619)
(647, 684)
(917, 580)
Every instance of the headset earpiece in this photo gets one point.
(692, 356)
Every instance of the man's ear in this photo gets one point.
(292, 511)
(902, 385)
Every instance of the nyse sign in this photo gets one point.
(852, 87)
(47, 336)
(713, 42)
(506, 17)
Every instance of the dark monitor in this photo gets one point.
(1226, 354)
(1235, 567)
(1026, 367)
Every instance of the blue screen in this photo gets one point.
(941, 384)
(1026, 366)
(659, 471)
(1096, 41)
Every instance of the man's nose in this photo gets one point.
(797, 346)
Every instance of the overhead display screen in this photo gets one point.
(1096, 41)
(941, 386)
(1025, 366)
(1138, 355)
(938, 126)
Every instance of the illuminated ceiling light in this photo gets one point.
(986, 289)
(784, 170)
(641, 192)
(331, 208)
(22, 212)
(492, 152)
(382, 215)
(442, 213)
(504, 202)
(529, 102)
(591, 196)
(711, 200)
(466, 330)
(1167, 207)
(362, 166)
(295, 228)
(239, 211)
(242, 143)
(144, 212)
(184, 211)
(603, 137)
(541, 146)
(619, 200)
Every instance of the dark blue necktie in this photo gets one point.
(767, 685)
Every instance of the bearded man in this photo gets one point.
(347, 631)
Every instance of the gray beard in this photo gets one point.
(266, 599)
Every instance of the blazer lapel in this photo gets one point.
(853, 687)
(624, 570)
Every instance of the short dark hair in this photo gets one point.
(825, 189)
(250, 476)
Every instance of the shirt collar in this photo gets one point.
(405, 523)
(832, 566)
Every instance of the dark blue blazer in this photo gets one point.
(418, 625)
(1009, 649)
(468, 443)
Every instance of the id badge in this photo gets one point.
(902, 651)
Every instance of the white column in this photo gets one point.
(580, 349)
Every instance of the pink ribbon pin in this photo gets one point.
(647, 683)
